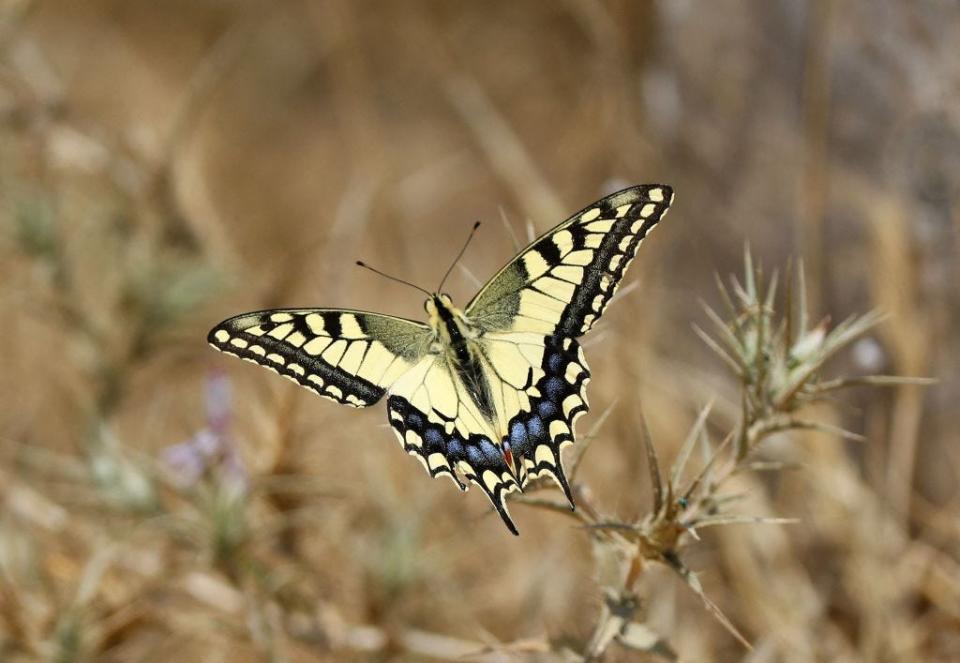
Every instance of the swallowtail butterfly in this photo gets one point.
(486, 394)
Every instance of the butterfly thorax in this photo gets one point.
(451, 329)
(456, 341)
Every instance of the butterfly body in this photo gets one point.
(459, 341)
(489, 393)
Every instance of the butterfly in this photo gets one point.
(488, 394)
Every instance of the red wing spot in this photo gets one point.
(508, 456)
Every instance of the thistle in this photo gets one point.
(777, 356)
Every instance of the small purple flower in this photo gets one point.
(218, 402)
(186, 462)
(211, 451)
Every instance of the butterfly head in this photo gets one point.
(451, 328)
(440, 308)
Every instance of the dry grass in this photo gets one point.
(164, 165)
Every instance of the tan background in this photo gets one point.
(197, 159)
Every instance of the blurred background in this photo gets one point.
(164, 165)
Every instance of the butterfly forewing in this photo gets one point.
(562, 283)
(351, 357)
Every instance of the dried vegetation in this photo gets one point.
(753, 484)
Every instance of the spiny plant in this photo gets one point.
(778, 357)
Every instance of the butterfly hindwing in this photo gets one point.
(444, 450)
(536, 434)
(562, 282)
(534, 419)
(351, 357)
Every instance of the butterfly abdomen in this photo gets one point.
(467, 362)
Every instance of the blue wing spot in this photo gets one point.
(414, 421)
(517, 433)
(519, 442)
(490, 452)
(535, 428)
(433, 440)
(553, 363)
(547, 409)
(474, 457)
(454, 451)
(553, 388)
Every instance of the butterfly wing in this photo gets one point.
(351, 357)
(533, 310)
(561, 284)
(438, 421)
(537, 412)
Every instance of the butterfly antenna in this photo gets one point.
(459, 255)
(360, 263)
